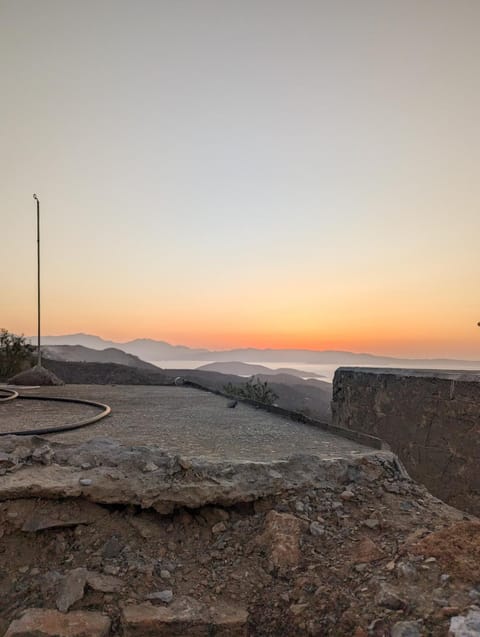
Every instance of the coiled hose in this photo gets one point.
(7, 394)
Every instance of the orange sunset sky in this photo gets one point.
(224, 174)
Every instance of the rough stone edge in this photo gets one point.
(441, 374)
(178, 482)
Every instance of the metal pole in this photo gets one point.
(39, 354)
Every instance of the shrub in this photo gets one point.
(15, 354)
(253, 389)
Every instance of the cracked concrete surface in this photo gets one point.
(105, 471)
(180, 420)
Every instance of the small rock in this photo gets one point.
(232, 404)
(297, 609)
(449, 611)
(185, 463)
(465, 625)
(43, 454)
(111, 569)
(367, 551)
(85, 482)
(372, 523)
(150, 467)
(388, 597)
(281, 539)
(104, 583)
(71, 589)
(347, 495)
(169, 566)
(378, 628)
(407, 629)
(407, 571)
(164, 596)
(317, 529)
(299, 506)
(391, 487)
(220, 527)
(164, 574)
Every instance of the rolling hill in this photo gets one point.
(82, 354)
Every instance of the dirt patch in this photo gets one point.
(457, 549)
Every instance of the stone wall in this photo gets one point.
(431, 419)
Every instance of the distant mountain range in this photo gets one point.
(152, 350)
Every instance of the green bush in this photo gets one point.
(15, 354)
(253, 389)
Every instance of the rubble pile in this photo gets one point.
(101, 540)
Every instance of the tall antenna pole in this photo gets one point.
(39, 353)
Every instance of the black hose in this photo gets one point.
(11, 394)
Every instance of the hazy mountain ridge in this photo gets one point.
(152, 350)
(82, 354)
(247, 369)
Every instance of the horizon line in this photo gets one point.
(258, 349)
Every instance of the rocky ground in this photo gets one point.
(103, 540)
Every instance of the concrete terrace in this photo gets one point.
(180, 420)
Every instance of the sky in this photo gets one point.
(266, 173)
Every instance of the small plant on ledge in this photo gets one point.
(254, 389)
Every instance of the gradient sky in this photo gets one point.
(256, 173)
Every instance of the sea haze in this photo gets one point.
(326, 371)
